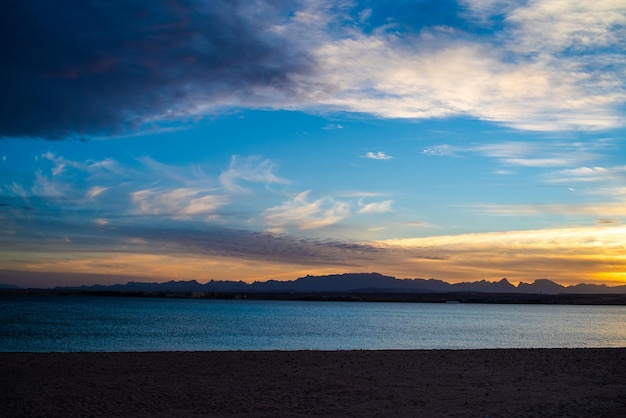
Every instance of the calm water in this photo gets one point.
(84, 323)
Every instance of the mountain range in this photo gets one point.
(358, 282)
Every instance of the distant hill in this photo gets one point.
(8, 286)
(358, 282)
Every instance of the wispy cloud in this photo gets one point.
(111, 203)
(610, 191)
(504, 172)
(109, 188)
(538, 162)
(531, 154)
(178, 203)
(377, 156)
(377, 207)
(304, 214)
(46, 187)
(60, 163)
(251, 170)
(596, 209)
(96, 191)
(362, 194)
(525, 154)
(587, 174)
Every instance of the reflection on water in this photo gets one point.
(89, 323)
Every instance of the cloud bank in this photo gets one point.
(108, 68)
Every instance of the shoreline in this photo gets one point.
(604, 299)
(576, 382)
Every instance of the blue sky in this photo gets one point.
(262, 140)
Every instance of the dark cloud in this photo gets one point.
(143, 236)
(607, 221)
(262, 246)
(276, 248)
(77, 68)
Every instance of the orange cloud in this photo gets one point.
(568, 256)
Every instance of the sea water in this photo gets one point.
(47, 323)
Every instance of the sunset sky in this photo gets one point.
(266, 139)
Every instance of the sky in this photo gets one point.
(266, 139)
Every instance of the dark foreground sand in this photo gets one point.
(467, 383)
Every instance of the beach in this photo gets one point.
(428, 383)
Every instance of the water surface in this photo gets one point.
(37, 323)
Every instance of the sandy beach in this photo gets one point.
(429, 383)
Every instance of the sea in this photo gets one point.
(76, 323)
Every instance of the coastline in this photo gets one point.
(490, 382)
(608, 299)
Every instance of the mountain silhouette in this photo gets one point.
(357, 283)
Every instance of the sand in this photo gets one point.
(429, 383)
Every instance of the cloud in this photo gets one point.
(607, 221)
(504, 172)
(611, 191)
(60, 163)
(105, 215)
(538, 162)
(332, 126)
(548, 65)
(433, 76)
(185, 248)
(136, 63)
(178, 203)
(96, 191)
(599, 242)
(377, 207)
(587, 174)
(175, 249)
(87, 198)
(378, 156)
(302, 213)
(567, 255)
(444, 150)
(558, 239)
(574, 25)
(48, 187)
(112, 190)
(360, 193)
(446, 69)
(596, 209)
(252, 170)
(524, 154)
